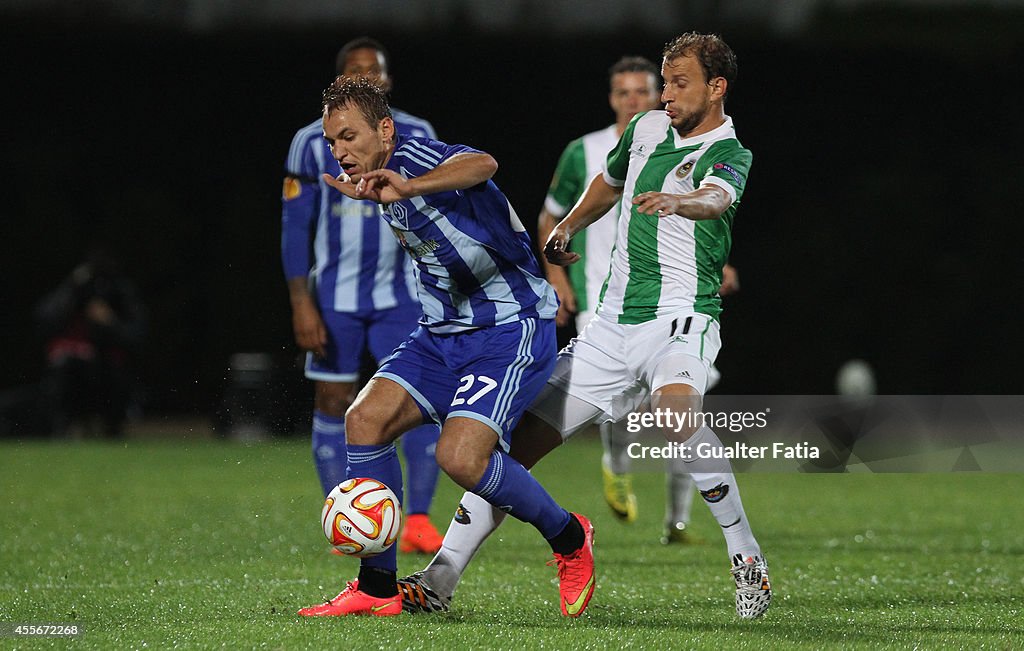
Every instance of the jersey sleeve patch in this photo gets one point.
(729, 170)
(727, 165)
(292, 188)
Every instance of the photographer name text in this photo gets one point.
(733, 451)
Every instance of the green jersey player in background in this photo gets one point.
(633, 83)
(678, 176)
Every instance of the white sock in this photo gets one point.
(616, 440)
(475, 520)
(680, 492)
(717, 486)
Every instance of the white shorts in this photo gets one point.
(610, 368)
(582, 319)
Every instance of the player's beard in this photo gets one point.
(690, 121)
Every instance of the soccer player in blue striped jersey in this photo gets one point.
(484, 349)
(358, 289)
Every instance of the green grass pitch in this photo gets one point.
(196, 544)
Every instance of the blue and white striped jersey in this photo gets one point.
(472, 256)
(358, 267)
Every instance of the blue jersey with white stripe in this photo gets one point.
(357, 267)
(472, 256)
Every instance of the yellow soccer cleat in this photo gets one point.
(618, 493)
(676, 533)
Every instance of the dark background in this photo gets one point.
(881, 219)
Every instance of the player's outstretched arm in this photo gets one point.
(459, 172)
(556, 275)
(708, 202)
(597, 200)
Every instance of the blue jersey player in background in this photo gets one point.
(484, 348)
(356, 295)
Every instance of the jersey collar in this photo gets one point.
(725, 130)
(391, 163)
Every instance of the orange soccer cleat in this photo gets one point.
(419, 535)
(353, 602)
(576, 573)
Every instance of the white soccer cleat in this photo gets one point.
(753, 591)
(419, 597)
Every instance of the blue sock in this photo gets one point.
(421, 467)
(508, 486)
(378, 462)
(329, 449)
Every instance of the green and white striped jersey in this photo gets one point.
(582, 160)
(662, 265)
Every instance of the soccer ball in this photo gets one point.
(361, 517)
(855, 378)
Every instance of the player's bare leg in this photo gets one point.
(464, 449)
(381, 413)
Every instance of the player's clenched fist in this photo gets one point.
(556, 249)
(657, 203)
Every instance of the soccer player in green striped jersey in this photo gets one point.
(633, 88)
(678, 176)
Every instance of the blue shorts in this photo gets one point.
(491, 375)
(349, 334)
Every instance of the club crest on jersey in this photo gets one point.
(398, 213)
(684, 169)
(716, 494)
